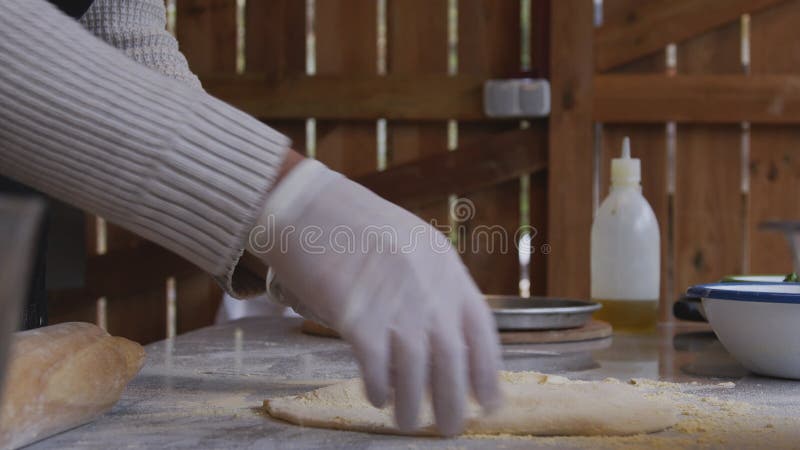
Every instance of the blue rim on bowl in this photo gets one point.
(748, 292)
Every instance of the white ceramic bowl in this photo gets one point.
(758, 323)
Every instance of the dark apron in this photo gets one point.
(73, 8)
(35, 311)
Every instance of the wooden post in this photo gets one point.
(417, 44)
(489, 46)
(570, 165)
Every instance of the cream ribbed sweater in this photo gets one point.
(138, 27)
(84, 123)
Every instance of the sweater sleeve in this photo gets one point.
(138, 28)
(84, 123)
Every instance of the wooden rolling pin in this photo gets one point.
(63, 376)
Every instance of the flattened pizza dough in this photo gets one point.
(535, 404)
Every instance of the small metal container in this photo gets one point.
(539, 313)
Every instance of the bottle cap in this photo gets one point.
(626, 171)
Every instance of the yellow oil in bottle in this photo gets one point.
(635, 316)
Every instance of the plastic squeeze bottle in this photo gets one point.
(626, 250)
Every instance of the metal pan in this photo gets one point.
(539, 313)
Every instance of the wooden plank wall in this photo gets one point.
(693, 176)
(728, 177)
(710, 184)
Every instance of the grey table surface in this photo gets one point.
(204, 389)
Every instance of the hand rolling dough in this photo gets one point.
(535, 404)
(62, 376)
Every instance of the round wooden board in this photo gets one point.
(594, 329)
(316, 329)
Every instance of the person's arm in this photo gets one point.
(84, 123)
(138, 28)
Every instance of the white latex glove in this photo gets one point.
(391, 285)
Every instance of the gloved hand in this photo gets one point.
(391, 285)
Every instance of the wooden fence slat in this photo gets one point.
(774, 150)
(538, 206)
(708, 207)
(629, 97)
(615, 11)
(140, 318)
(134, 271)
(360, 96)
(346, 36)
(708, 204)
(192, 314)
(417, 44)
(712, 99)
(538, 212)
(73, 305)
(489, 45)
(206, 33)
(275, 48)
(482, 163)
(570, 167)
(647, 27)
(275, 38)
(773, 35)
